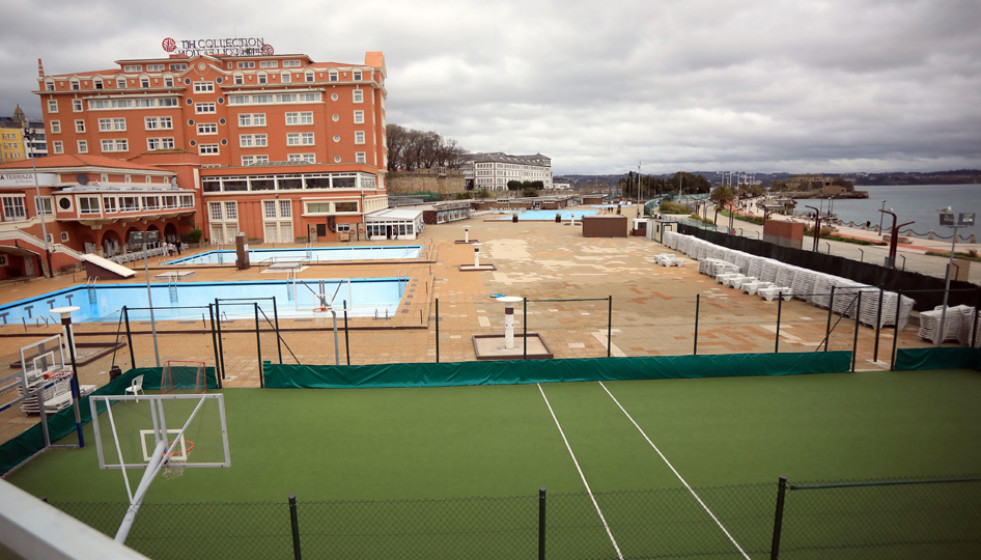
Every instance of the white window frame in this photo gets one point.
(82, 146)
(204, 87)
(251, 119)
(205, 129)
(80, 126)
(360, 157)
(208, 149)
(253, 140)
(357, 96)
(52, 105)
(359, 117)
(55, 127)
(85, 207)
(77, 106)
(58, 147)
(298, 118)
(359, 137)
(158, 123)
(165, 143)
(14, 209)
(207, 108)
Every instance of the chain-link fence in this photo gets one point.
(872, 519)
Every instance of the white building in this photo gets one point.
(493, 171)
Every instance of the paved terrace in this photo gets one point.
(653, 308)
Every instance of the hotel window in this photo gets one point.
(215, 210)
(359, 137)
(83, 147)
(357, 75)
(360, 157)
(121, 83)
(180, 66)
(332, 75)
(58, 147)
(13, 208)
(154, 67)
(252, 141)
(79, 126)
(44, 205)
(268, 64)
(144, 82)
(75, 84)
(359, 117)
(187, 201)
(132, 68)
(231, 211)
(121, 145)
(238, 79)
(309, 76)
(77, 105)
(159, 144)
(262, 77)
(291, 64)
(56, 127)
(200, 108)
(208, 149)
(159, 123)
(49, 86)
(345, 207)
(300, 139)
(246, 64)
(301, 158)
(129, 204)
(204, 87)
(305, 117)
(109, 125)
(151, 202)
(128, 178)
(148, 179)
(358, 96)
(168, 82)
(52, 105)
(110, 204)
(255, 160)
(284, 77)
(207, 128)
(88, 205)
(252, 119)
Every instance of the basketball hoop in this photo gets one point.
(178, 458)
(57, 375)
(319, 313)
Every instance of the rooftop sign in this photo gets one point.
(230, 46)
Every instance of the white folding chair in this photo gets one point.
(136, 387)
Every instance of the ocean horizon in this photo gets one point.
(911, 203)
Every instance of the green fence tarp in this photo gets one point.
(62, 423)
(283, 376)
(938, 358)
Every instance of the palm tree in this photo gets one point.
(721, 196)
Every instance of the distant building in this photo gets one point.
(492, 171)
(827, 186)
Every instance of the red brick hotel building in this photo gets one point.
(277, 146)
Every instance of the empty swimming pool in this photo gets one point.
(316, 254)
(183, 301)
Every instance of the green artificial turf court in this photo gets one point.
(727, 438)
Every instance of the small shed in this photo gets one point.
(604, 226)
(395, 223)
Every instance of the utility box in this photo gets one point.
(604, 226)
(241, 251)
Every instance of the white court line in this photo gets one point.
(676, 473)
(581, 475)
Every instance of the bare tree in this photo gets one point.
(414, 149)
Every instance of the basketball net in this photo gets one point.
(174, 465)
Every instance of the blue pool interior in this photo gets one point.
(549, 215)
(315, 254)
(189, 300)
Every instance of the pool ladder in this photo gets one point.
(172, 288)
(90, 288)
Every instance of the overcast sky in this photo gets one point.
(600, 87)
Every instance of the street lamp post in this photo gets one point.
(817, 226)
(39, 203)
(142, 238)
(947, 219)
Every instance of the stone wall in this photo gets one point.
(449, 181)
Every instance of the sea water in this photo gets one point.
(911, 203)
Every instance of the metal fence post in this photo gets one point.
(776, 339)
(694, 351)
(258, 346)
(214, 343)
(347, 339)
(221, 346)
(827, 331)
(295, 525)
(609, 327)
(279, 341)
(541, 523)
(858, 314)
(437, 330)
(895, 335)
(129, 338)
(778, 519)
(878, 323)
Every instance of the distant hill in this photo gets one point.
(954, 177)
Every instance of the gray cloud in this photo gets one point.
(598, 86)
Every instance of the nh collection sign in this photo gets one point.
(231, 46)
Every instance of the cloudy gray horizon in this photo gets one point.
(599, 87)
